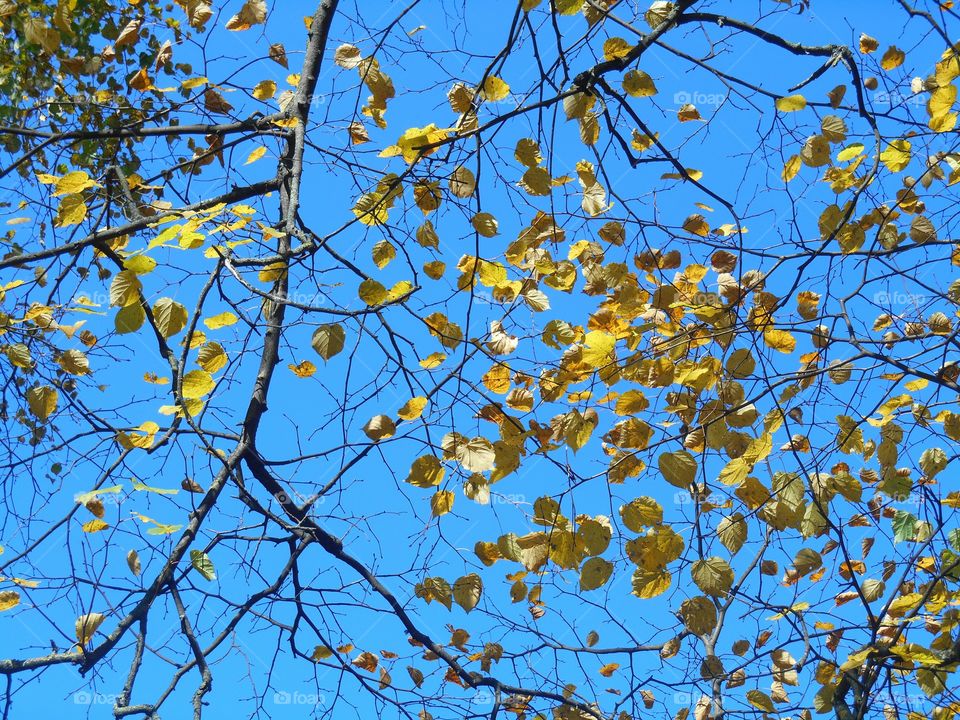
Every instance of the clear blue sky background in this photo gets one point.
(384, 521)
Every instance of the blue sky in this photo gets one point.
(384, 521)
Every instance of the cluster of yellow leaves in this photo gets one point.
(378, 82)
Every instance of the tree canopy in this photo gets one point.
(583, 360)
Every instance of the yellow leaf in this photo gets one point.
(372, 292)
(169, 316)
(304, 369)
(321, 652)
(678, 468)
(943, 123)
(791, 103)
(383, 252)
(616, 47)
(426, 472)
(432, 360)
(485, 224)
(9, 599)
(86, 626)
(379, 427)
(224, 319)
(536, 181)
(494, 89)
(412, 143)
(19, 356)
(256, 154)
(358, 133)
(413, 408)
(140, 264)
(697, 225)
(74, 362)
(897, 155)
(650, 583)
(328, 340)
(371, 209)
(791, 168)
(72, 211)
(594, 574)
(637, 83)
(497, 379)
(95, 525)
(462, 182)
(196, 384)
(760, 700)
(713, 575)
(779, 340)
(916, 653)
(434, 269)
(641, 513)
(125, 288)
(441, 503)
(130, 318)
(892, 58)
(73, 182)
(734, 472)
(347, 56)
(192, 83)
(609, 669)
(253, 12)
(850, 152)
(836, 95)
(42, 401)
(265, 90)
(467, 591)
(855, 660)
(599, 349)
(642, 142)
(272, 272)
(688, 113)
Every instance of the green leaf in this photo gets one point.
(328, 340)
(904, 526)
(203, 564)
